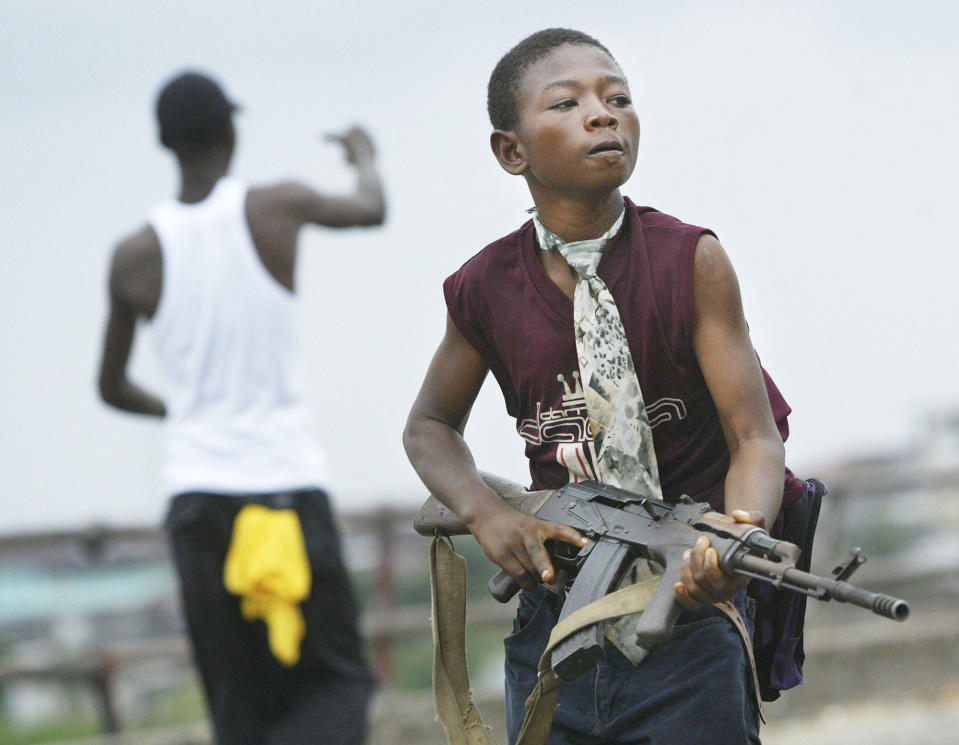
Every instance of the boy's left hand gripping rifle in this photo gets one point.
(621, 527)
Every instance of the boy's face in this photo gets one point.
(578, 132)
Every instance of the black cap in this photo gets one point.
(192, 109)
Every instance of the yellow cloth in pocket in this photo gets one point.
(267, 566)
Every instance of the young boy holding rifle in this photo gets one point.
(606, 324)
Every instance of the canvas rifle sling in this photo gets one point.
(451, 688)
(457, 712)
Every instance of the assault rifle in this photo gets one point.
(621, 527)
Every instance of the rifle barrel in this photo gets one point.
(823, 588)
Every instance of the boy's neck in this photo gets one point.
(578, 219)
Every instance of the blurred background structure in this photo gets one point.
(818, 139)
(91, 639)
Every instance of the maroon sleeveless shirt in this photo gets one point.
(521, 324)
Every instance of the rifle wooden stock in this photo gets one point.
(434, 517)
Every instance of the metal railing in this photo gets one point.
(384, 624)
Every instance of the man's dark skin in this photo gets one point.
(274, 214)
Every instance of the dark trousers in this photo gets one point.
(253, 699)
(693, 689)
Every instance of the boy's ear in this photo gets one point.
(508, 151)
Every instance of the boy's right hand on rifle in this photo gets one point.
(515, 542)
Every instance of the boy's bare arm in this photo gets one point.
(130, 297)
(754, 483)
(731, 369)
(434, 442)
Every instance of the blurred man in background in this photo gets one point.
(267, 599)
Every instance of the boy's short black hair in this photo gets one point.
(508, 73)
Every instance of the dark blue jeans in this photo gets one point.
(694, 689)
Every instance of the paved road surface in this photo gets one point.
(906, 722)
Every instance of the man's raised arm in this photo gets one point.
(366, 205)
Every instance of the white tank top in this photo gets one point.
(226, 337)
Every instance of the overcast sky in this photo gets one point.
(818, 140)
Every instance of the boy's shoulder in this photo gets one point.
(509, 247)
(504, 253)
(509, 243)
(665, 239)
(495, 274)
(506, 257)
(652, 218)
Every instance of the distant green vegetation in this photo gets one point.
(415, 587)
(67, 729)
(888, 538)
(413, 660)
(183, 705)
(171, 706)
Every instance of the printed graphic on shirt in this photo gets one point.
(568, 427)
